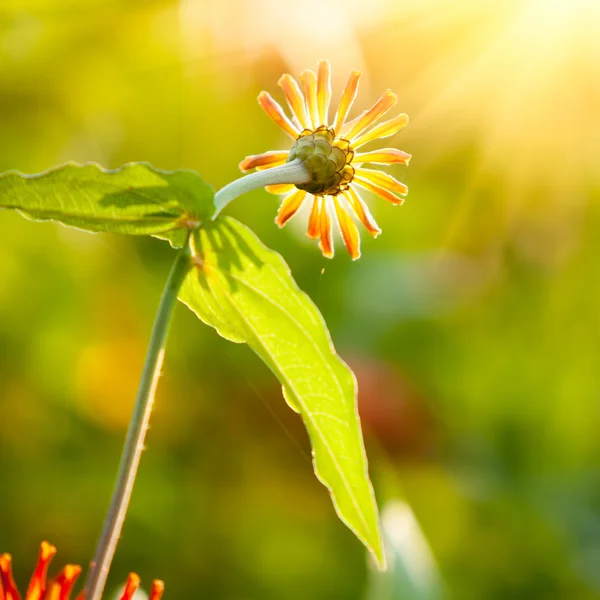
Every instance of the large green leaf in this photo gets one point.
(135, 199)
(246, 292)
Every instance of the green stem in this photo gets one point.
(294, 172)
(138, 427)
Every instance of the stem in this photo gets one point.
(138, 427)
(293, 172)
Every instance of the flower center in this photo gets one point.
(327, 158)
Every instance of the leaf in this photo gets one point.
(135, 199)
(246, 292)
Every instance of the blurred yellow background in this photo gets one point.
(472, 322)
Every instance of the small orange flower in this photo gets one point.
(327, 147)
(61, 586)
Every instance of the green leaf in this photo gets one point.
(135, 199)
(246, 292)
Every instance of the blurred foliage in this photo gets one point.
(472, 322)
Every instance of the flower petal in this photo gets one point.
(348, 125)
(361, 210)
(314, 219)
(325, 232)
(383, 179)
(387, 100)
(267, 167)
(385, 156)
(132, 584)
(309, 82)
(324, 91)
(348, 96)
(280, 188)
(272, 108)
(61, 586)
(376, 189)
(269, 159)
(7, 583)
(158, 587)
(37, 584)
(382, 130)
(295, 99)
(348, 230)
(289, 207)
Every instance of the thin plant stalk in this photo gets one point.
(136, 434)
(294, 172)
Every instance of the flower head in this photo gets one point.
(328, 148)
(61, 586)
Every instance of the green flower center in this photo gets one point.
(328, 160)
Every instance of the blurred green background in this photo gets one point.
(472, 323)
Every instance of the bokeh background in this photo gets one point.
(472, 322)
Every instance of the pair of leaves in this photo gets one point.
(236, 285)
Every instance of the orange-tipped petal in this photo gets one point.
(267, 167)
(378, 190)
(295, 99)
(384, 180)
(348, 230)
(158, 587)
(383, 130)
(6, 576)
(387, 100)
(289, 207)
(132, 584)
(314, 219)
(280, 188)
(269, 159)
(61, 586)
(37, 584)
(272, 108)
(325, 232)
(348, 96)
(324, 91)
(361, 210)
(309, 83)
(385, 156)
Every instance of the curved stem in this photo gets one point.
(138, 427)
(293, 172)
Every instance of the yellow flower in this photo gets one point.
(328, 148)
(61, 586)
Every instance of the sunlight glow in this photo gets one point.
(300, 33)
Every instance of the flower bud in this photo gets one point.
(327, 158)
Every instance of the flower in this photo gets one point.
(328, 148)
(61, 586)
